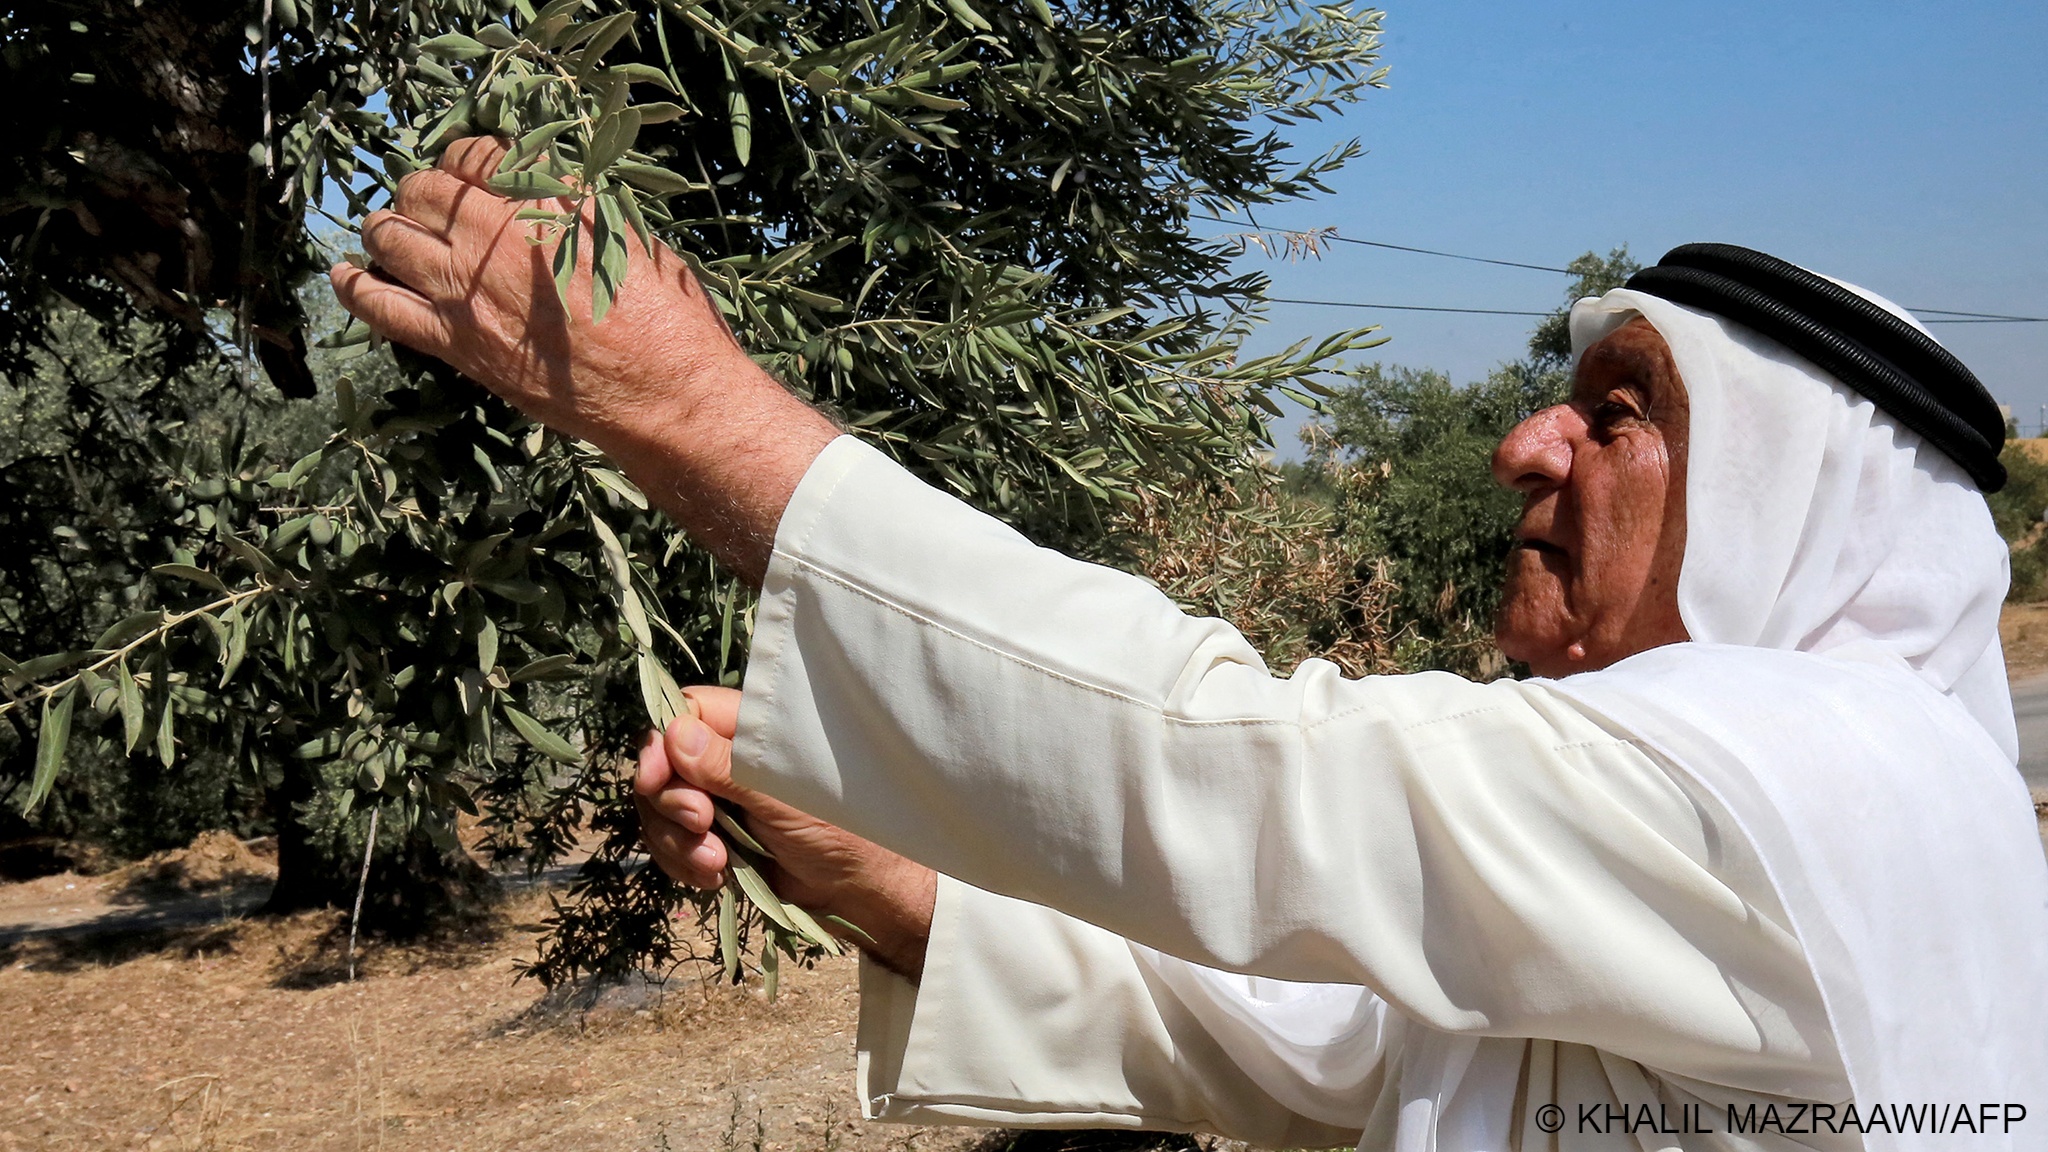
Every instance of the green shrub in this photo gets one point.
(2018, 510)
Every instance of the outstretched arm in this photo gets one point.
(1489, 858)
(661, 385)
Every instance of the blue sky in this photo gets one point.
(1900, 147)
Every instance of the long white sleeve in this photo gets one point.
(1487, 858)
(1029, 1018)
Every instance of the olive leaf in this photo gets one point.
(130, 701)
(544, 741)
(52, 738)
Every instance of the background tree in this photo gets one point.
(961, 226)
(2019, 509)
(81, 496)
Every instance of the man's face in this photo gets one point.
(1594, 574)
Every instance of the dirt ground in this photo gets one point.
(2023, 630)
(244, 1034)
(196, 1028)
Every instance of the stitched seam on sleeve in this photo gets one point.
(818, 505)
(1465, 715)
(1014, 658)
(905, 611)
(1341, 714)
(1602, 742)
(1067, 678)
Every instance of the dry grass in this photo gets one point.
(1267, 561)
(238, 1035)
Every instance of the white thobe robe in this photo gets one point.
(1542, 910)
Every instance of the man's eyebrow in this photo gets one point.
(1612, 365)
(1635, 368)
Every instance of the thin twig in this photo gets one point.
(263, 71)
(116, 654)
(362, 884)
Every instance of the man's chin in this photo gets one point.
(1519, 647)
(1531, 631)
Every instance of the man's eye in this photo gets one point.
(1610, 412)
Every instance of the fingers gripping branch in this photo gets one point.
(390, 308)
(685, 769)
(660, 384)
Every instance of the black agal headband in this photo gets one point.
(1890, 362)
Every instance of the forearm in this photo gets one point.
(724, 458)
(889, 903)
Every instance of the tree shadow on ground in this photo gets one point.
(184, 927)
(75, 953)
(312, 948)
(321, 960)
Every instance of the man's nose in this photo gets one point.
(1537, 453)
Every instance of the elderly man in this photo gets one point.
(1747, 866)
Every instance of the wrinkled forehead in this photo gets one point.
(1633, 353)
(1708, 357)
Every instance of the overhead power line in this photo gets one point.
(1951, 316)
(1334, 235)
(1977, 317)
(1523, 312)
(1453, 255)
(1403, 307)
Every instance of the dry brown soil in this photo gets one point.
(226, 1032)
(244, 1035)
(2023, 629)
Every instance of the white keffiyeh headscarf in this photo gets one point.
(1815, 522)
(1844, 698)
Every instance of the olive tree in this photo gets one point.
(961, 227)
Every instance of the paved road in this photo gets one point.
(2030, 705)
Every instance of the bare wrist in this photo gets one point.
(892, 909)
(722, 456)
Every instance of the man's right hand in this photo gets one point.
(660, 384)
(819, 867)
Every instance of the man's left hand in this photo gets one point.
(817, 866)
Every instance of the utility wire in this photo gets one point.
(1978, 317)
(1453, 255)
(1402, 307)
(1405, 248)
(1959, 317)
(1523, 312)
